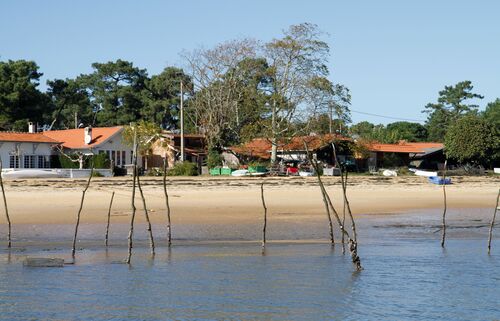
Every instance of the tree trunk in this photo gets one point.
(109, 218)
(169, 226)
(146, 214)
(493, 223)
(265, 215)
(73, 249)
(9, 244)
(132, 219)
(443, 236)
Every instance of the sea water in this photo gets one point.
(406, 276)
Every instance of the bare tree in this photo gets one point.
(217, 84)
(9, 244)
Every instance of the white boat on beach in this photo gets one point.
(496, 170)
(425, 173)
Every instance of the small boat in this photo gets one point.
(388, 172)
(426, 173)
(305, 174)
(439, 180)
(240, 172)
(496, 170)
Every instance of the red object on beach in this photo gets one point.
(292, 171)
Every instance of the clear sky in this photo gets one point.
(394, 56)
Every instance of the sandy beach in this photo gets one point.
(228, 200)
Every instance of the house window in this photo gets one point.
(108, 153)
(14, 161)
(29, 161)
(123, 158)
(43, 161)
(113, 157)
(118, 158)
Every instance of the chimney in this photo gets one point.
(31, 128)
(87, 135)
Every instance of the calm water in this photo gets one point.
(407, 276)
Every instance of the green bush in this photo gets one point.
(67, 163)
(99, 161)
(183, 169)
(214, 159)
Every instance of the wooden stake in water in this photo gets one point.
(132, 219)
(73, 249)
(493, 223)
(323, 192)
(443, 236)
(9, 244)
(169, 226)
(150, 231)
(265, 215)
(109, 218)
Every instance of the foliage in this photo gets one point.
(65, 162)
(147, 134)
(183, 169)
(492, 113)
(99, 161)
(472, 139)
(20, 100)
(390, 134)
(214, 158)
(453, 103)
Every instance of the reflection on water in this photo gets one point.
(405, 278)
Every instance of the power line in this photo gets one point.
(388, 117)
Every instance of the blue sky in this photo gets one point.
(393, 55)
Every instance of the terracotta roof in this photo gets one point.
(405, 147)
(26, 137)
(73, 138)
(261, 147)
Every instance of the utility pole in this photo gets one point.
(182, 123)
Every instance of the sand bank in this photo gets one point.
(227, 200)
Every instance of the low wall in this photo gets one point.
(16, 173)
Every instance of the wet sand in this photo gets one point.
(226, 200)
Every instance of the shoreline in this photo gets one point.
(228, 200)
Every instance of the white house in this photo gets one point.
(97, 140)
(26, 150)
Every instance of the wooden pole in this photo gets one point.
(132, 219)
(323, 192)
(344, 188)
(73, 249)
(493, 223)
(443, 236)
(169, 223)
(9, 244)
(346, 200)
(146, 214)
(265, 215)
(109, 218)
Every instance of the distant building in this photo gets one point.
(96, 140)
(27, 150)
(169, 146)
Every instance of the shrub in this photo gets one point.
(183, 169)
(214, 159)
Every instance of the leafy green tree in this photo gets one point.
(71, 104)
(147, 134)
(116, 88)
(453, 103)
(492, 113)
(20, 99)
(472, 139)
(402, 130)
(162, 97)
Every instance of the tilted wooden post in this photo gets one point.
(493, 223)
(132, 219)
(150, 231)
(109, 218)
(9, 244)
(443, 236)
(323, 192)
(73, 249)
(265, 215)
(346, 200)
(169, 223)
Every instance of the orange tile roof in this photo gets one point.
(261, 147)
(73, 138)
(26, 137)
(405, 147)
